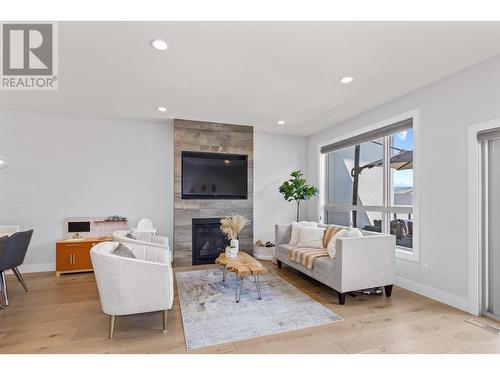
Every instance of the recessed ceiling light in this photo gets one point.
(159, 44)
(162, 109)
(281, 122)
(4, 163)
(347, 80)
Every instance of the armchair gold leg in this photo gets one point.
(164, 315)
(111, 325)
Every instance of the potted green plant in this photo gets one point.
(296, 189)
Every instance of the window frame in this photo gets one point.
(386, 209)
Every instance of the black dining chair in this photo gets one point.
(12, 257)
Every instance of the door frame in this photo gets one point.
(474, 208)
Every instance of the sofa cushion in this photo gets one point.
(123, 251)
(330, 231)
(322, 269)
(294, 238)
(311, 237)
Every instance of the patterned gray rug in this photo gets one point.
(211, 316)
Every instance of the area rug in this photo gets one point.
(211, 316)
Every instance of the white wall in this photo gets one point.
(65, 166)
(276, 156)
(447, 108)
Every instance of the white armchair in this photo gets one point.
(133, 286)
(161, 241)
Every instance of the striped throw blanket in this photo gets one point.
(307, 255)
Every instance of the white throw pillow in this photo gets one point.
(311, 237)
(354, 233)
(294, 238)
(332, 245)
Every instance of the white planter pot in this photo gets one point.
(231, 252)
(236, 244)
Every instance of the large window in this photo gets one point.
(369, 182)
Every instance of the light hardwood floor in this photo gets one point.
(63, 315)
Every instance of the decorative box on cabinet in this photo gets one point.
(74, 255)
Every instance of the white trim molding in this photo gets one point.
(433, 293)
(414, 254)
(474, 209)
(38, 267)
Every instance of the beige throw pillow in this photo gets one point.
(294, 238)
(311, 237)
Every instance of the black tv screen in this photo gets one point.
(78, 226)
(214, 176)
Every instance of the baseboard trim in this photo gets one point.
(37, 267)
(435, 294)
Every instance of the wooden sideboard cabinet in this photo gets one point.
(74, 255)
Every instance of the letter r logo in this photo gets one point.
(27, 49)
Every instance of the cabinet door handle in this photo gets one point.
(70, 258)
(74, 258)
(72, 245)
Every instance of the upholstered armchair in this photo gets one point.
(133, 285)
(160, 241)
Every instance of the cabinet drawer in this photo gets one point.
(73, 258)
(74, 246)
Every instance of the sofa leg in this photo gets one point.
(341, 298)
(164, 316)
(388, 290)
(111, 326)
(278, 262)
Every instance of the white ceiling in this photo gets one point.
(252, 73)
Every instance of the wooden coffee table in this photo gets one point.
(242, 265)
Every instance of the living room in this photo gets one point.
(195, 187)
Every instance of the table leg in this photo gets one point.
(224, 272)
(237, 289)
(257, 284)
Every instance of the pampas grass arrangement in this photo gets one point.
(231, 226)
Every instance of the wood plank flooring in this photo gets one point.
(63, 315)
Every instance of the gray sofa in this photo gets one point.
(360, 263)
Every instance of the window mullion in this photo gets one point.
(387, 183)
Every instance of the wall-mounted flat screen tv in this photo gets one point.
(214, 176)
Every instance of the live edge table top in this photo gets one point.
(242, 264)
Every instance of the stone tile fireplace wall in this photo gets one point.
(209, 137)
